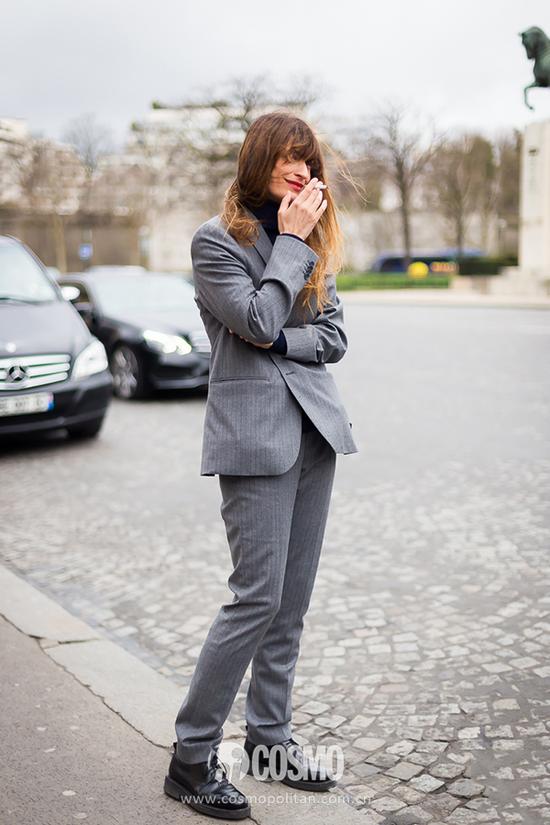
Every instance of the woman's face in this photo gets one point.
(288, 176)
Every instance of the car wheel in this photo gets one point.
(128, 373)
(88, 430)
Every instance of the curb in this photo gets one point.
(441, 297)
(145, 699)
(148, 701)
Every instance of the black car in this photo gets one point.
(150, 326)
(53, 372)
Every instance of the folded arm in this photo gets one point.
(224, 286)
(323, 340)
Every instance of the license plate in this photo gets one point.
(21, 404)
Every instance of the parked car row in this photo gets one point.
(66, 344)
(149, 325)
(438, 261)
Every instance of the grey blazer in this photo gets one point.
(253, 423)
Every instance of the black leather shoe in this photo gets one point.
(301, 771)
(205, 787)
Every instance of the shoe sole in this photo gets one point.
(299, 784)
(177, 791)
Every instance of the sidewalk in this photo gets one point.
(88, 730)
(441, 297)
(65, 755)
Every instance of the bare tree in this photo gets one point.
(485, 184)
(363, 189)
(90, 141)
(60, 188)
(401, 153)
(21, 171)
(203, 157)
(452, 183)
(508, 154)
(45, 180)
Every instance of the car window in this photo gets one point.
(21, 278)
(154, 291)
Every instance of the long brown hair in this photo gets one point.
(270, 136)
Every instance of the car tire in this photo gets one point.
(127, 369)
(88, 430)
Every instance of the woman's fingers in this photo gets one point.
(315, 197)
(286, 201)
(322, 207)
(305, 192)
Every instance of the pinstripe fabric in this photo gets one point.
(252, 423)
(275, 526)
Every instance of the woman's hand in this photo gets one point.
(299, 213)
(264, 346)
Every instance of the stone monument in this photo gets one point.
(534, 227)
(534, 235)
(532, 276)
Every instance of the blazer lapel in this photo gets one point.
(263, 245)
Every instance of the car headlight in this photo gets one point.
(92, 359)
(162, 342)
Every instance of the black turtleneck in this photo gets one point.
(267, 214)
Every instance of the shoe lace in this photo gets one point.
(218, 770)
(307, 761)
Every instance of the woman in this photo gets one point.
(273, 425)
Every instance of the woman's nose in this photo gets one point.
(303, 171)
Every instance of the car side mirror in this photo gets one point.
(70, 293)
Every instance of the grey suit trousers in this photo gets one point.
(275, 526)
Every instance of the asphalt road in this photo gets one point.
(434, 573)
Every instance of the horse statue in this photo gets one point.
(537, 46)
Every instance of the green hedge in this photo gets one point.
(485, 266)
(389, 280)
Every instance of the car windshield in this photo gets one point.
(155, 291)
(21, 278)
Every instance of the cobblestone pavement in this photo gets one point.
(425, 652)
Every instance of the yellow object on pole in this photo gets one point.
(418, 269)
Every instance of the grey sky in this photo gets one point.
(460, 60)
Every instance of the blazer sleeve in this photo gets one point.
(225, 287)
(323, 340)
